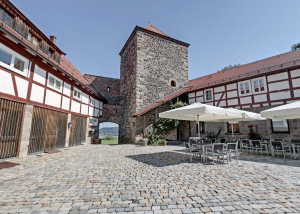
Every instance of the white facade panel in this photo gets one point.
(266, 104)
(276, 103)
(85, 98)
(65, 103)
(192, 100)
(280, 95)
(53, 98)
(191, 95)
(93, 121)
(22, 87)
(101, 105)
(260, 98)
(218, 96)
(67, 89)
(96, 112)
(296, 82)
(233, 102)
(91, 111)
(199, 93)
(245, 100)
(278, 86)
(6, 83)
(75, 106)
(248, 106)
(295, 73)
(39, 75)
(297, 93)
(97, 103)
(280, 76)
(232, 94)
(222, 103)
(219, 89)
(37, 93)
(199, 99)
(211, 103)
(231, 86)
(84, 109)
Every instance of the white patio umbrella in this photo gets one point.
(246, 116)
(201, 112)
(288, 111)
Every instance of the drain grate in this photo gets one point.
(6, 164)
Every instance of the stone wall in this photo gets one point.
(159, 62)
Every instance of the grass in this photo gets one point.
(108, 142)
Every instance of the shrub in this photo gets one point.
(109, 137)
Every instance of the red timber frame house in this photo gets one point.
(45, 102)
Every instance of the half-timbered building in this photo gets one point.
(45, 102)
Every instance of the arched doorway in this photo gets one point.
(109, 133)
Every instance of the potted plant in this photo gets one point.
(164, 142)
(143, 142)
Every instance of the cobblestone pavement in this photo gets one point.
(153, 179)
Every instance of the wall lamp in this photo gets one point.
(69, 125)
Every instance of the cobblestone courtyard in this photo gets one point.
(153, 179)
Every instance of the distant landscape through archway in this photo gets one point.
(107, 129)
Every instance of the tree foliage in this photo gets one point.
(109, 137)
(164, 126)
(296, 47)
(229, 67)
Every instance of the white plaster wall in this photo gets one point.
(91, 111)
(232, 94)
(276, 103)
(245, 100)
(101, 105)
(96, 112)
(75, 106)
(211, 103)
(232, 102)
(39, 75)
(100, 112)
(231, 86)
(65, 103)
(278, 86)
(85, 98)
(67, 89)
(97, 103)
(22, 87)
(295, 73)
(37, 93)
(6, 83)
(280, 95)
(219, 89)
(280, 76)
(218, 96)
(297, 93)
(84, 109)
(191, 101)
(199, 99)
(53, 98)
(260, 98)
(245, 107)
(296, 82)
(222, 103)
(199, 93)
(191, 95)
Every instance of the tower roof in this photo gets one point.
(155, 30)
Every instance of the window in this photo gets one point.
(281, 126)
(13, 61)
(92, 101)
(29, 37)
(258, 85)
(202, 127)
(208, 95)
(35, 42)
(5, 57)
(173, 83)
(108, 88)
(6, 17)
(54, 83)
(235, 126)
(77, 94)
(244, 88)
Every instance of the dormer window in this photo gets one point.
(108, 89)
(173, 83)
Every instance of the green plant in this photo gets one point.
(109, 137)
(229, 67)
(143, 140)
(213, 134)
(296, 46)
(253, 135)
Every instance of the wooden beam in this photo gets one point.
(143, 126)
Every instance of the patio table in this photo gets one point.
(203, 147)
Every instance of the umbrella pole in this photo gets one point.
(232, 131)
(198, 129)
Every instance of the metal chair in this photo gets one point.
(232, 148)
(207, 141)
(277, 146)
(192, 149)
(213, 140)
(245, 144)
(218, 149)
(256, 144)
(222, 140)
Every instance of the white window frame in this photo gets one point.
(92, 101)
(265, 84)
(77, 98)
(250, 88)
(55, 80)
(212, 95)
(11, 66)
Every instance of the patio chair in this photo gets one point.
(232, 148)
(245, 144)
(256, 144)
(218, 149)
(222, 140)
(192, 149)
(278, 146)
(207, 141)
(213, 140)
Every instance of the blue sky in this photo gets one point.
(220, 32)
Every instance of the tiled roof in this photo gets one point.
(247, 70)
(162, 101)
(154, 29)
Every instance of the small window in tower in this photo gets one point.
(108, 88)
(173, 83)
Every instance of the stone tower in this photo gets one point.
(153, 65)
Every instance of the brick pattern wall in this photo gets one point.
(158, 63)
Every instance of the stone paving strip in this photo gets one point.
(152, 179)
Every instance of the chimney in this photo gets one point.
(53, 39)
